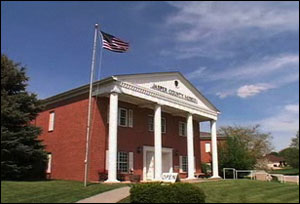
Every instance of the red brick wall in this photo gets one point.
(67, 141)
(205, 156)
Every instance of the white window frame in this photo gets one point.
(126, 162)
(126, 117)
(51, 121)
(184, 164)
(180, 129)
(151, 125)
(207, 147)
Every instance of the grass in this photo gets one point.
(50, 191)
(247, 191)
(286, 171)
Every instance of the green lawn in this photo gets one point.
(49, 191)
(247, 191)
(286, 171)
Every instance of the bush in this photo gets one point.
(206, 168)
(166, 193)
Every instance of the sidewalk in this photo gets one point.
(112, 196)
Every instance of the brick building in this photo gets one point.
(135, 119)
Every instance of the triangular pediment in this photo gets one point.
(172, 84)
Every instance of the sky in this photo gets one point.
(243, 56)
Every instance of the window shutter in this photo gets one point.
(180, 129)
(49, 163)
(106, 160)
(131, 161)
(119, 116)
(51, 121)
(130, 118)
(180, 164)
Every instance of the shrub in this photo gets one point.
(166, 193)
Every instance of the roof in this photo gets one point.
(207, 135)
(191, 86)
(273, 158)
(85, 88)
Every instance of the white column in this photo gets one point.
(113, 135)
(190, 147)
(157, 142)
(215, 165)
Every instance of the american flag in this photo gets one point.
(113, 44)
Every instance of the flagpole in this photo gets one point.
(86, 161)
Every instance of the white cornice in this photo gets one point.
(165, 97)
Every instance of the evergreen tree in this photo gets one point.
(22, 154)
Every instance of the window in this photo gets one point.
(123, 117)
(51, 121)
(182, 129)
(184, 163)
(207, 147)
(151, 124)
(49, 164)
(123, 162)
(163, 125)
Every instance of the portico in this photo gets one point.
(161, 92)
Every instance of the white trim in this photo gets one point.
(106, 160)
(123, 153)
(181, 158)
(107, 116)
(180, 164)
(151, 149)
(164, 99)
(150, 128)
(51, 121)
(49, 165)
(207, 147)
(131, 161)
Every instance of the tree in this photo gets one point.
(243, 148)
(235, 154)
(291, 154)
(22, 154)
(295, 141)
(274, 153)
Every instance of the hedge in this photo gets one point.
(166, 193)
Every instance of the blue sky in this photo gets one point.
(243, 56)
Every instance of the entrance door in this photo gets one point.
(150, 165)
(167, 162)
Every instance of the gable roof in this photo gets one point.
(85, 88)
(273, 158)
(175, 73)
